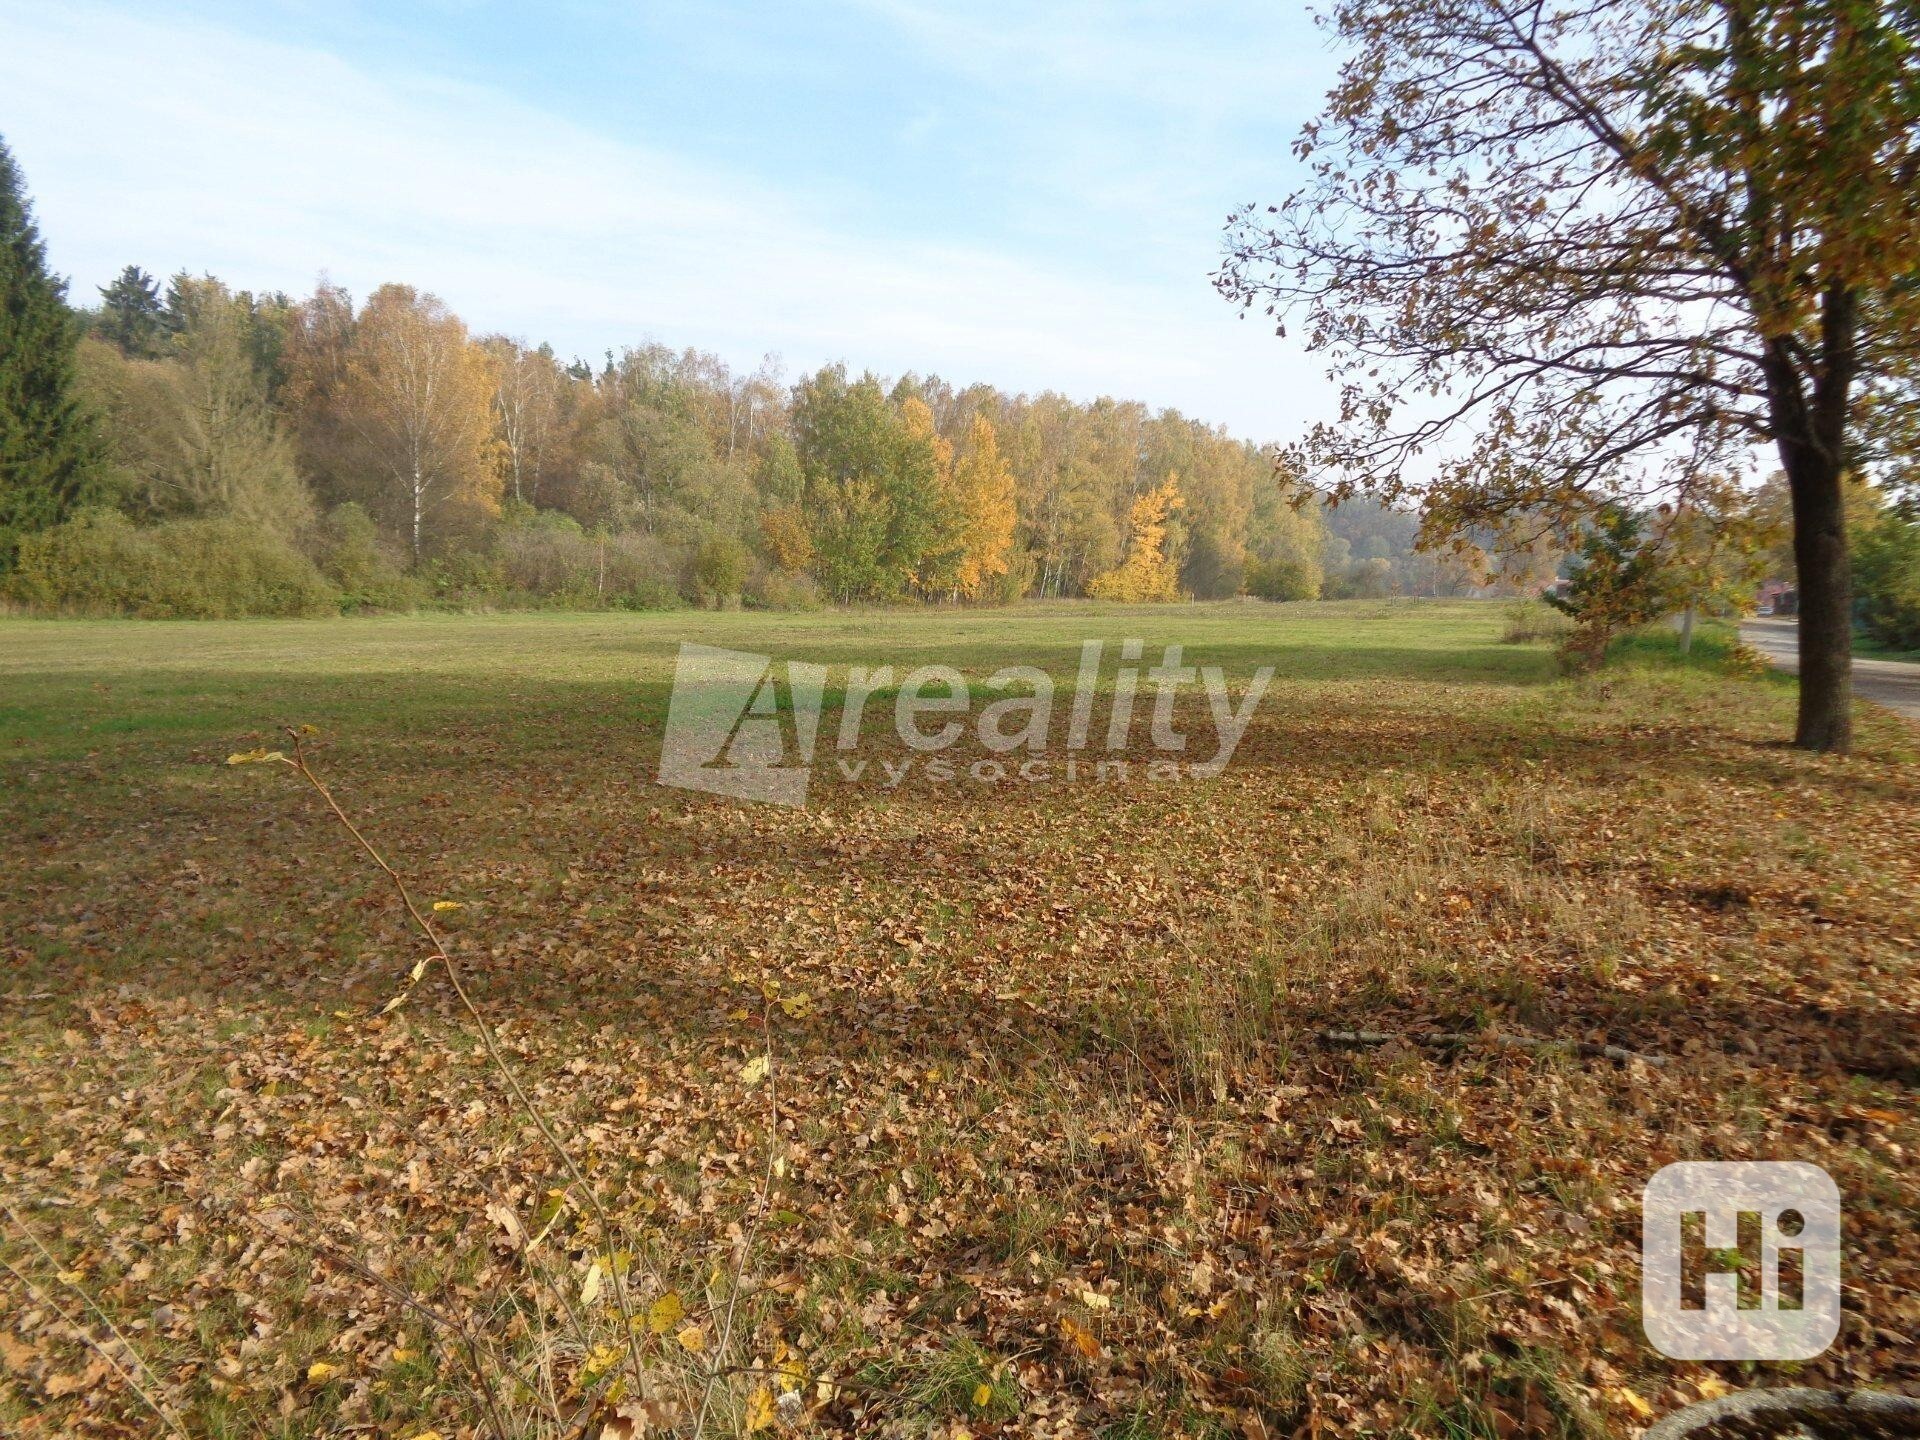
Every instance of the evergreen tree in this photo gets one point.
(131, 315)
(46, 443)
(1618, 580)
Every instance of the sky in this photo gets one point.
(1027, 194)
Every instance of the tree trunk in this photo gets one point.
(418, 505)
(1686, 629)
(1826, 605)
(1811, 432)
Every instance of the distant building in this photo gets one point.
(1778, 597)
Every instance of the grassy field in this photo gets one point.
(1051, 1137)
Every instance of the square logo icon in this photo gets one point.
(1740, 1260)
(737, 727)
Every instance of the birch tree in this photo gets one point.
(418, 393)
(527, 393)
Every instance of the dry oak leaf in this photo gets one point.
(1083, 1339)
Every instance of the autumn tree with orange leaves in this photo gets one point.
(399, 400)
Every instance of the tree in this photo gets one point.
(934, 526)
(1715, 552)
(720, 570)
(416, 395)
(655, 437)
(783, 530)
(1889, 439)
(528, 387)
(195, 434)
(47, 445)
(871, 478)
(983, 492)
(320, 336)
(1889, 566)
(1283, 578)
(1623, 242)
(1616, 582)
(1147, 573)
(131, 315)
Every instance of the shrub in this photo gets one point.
(547, 554)
(1283, 578)
(367, 570)
(545, 557)
(1616, 584)
(1531, 620)
(637, 572)
(719, 571)
(101, 563)
(467, 578)
(777, 590)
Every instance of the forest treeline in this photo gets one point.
(194, 449)
(407, 461)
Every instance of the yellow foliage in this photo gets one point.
(789, 545)
(418, 394)
(982, 489)
(761, 1411)
(1147, 574)
(665, 1312)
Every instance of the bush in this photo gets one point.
(636, 572)
(544, 557)
(1887, 581)
(1283, 579)
(467, 579)
(1531, 620)
(720, 571)
(101, 563)
(1616, 584)
(1370, 579)
(778, 590)
(366, 569)
(547, 554)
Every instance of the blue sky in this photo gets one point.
(1026, 194)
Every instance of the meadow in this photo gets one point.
(934, 1108)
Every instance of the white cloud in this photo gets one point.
(189, 146)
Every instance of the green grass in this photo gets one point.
(1865, 645)
(71, 681)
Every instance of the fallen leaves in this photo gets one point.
(665, 1312)
(1054, 1130)
(761, 1411)
(1080, 1337)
